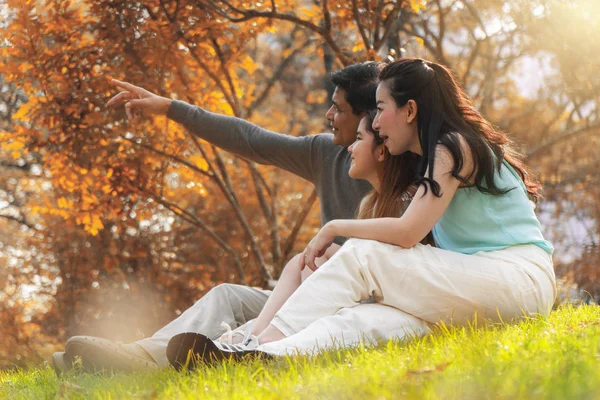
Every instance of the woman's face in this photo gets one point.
(397, 126)
(366, 155)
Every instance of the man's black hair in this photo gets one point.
(359, 82)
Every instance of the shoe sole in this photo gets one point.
(101, 355)
(59, 364)
(188, 350)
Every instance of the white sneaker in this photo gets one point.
(235, 336)
(250, 342)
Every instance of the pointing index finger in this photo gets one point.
(125, 85)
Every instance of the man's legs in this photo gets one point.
(232, 304)
(229, 303)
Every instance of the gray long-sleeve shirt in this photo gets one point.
(314, 158)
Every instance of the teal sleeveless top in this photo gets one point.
(477, 221)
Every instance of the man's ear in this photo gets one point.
(411, 111)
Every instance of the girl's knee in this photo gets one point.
(291, 272)
(292, 266)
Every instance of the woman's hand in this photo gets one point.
(317, 247)
(138, 101)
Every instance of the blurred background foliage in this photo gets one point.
(113, 230)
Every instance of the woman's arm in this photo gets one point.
(408, 230)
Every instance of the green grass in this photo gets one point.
(557, 357)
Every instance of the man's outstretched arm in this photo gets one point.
(299, 155)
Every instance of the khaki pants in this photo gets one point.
(427, 283)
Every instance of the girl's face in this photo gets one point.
(366, 155)
(397, 126)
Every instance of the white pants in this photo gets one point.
(369, 323)
(428, 283)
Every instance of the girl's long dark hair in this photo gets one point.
(397, 176)
(444, 112)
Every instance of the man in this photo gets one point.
(321, 159)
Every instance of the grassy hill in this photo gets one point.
(555, 357)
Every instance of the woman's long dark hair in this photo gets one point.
(397, 177)
(444, 112)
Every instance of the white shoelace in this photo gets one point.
(227, 337)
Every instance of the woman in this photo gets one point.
(474, 193)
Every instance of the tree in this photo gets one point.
(149, 217)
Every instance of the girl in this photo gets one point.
(392, 179)
(473, 192)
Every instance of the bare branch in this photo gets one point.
(227, 189)
(253, 244)
(21, 220)
(326, 17)
(269, 210)
(289, 244)
(171, 157)
(225, 71)
(192, 219)
(247, 15)
(388, 24)
(535, 151)
(472, 56)
(275, 78)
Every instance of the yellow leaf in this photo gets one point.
(25, 109)
(199, 162)
(358, 46)
(95, 225)
(419, 40)
(316, 97)
(417, 5)
(312, 12)
(249, 65)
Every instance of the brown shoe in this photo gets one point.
(99, 354)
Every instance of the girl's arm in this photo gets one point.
(408, 230)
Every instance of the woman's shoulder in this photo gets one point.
(455, 147)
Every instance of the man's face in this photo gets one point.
(343, 121)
